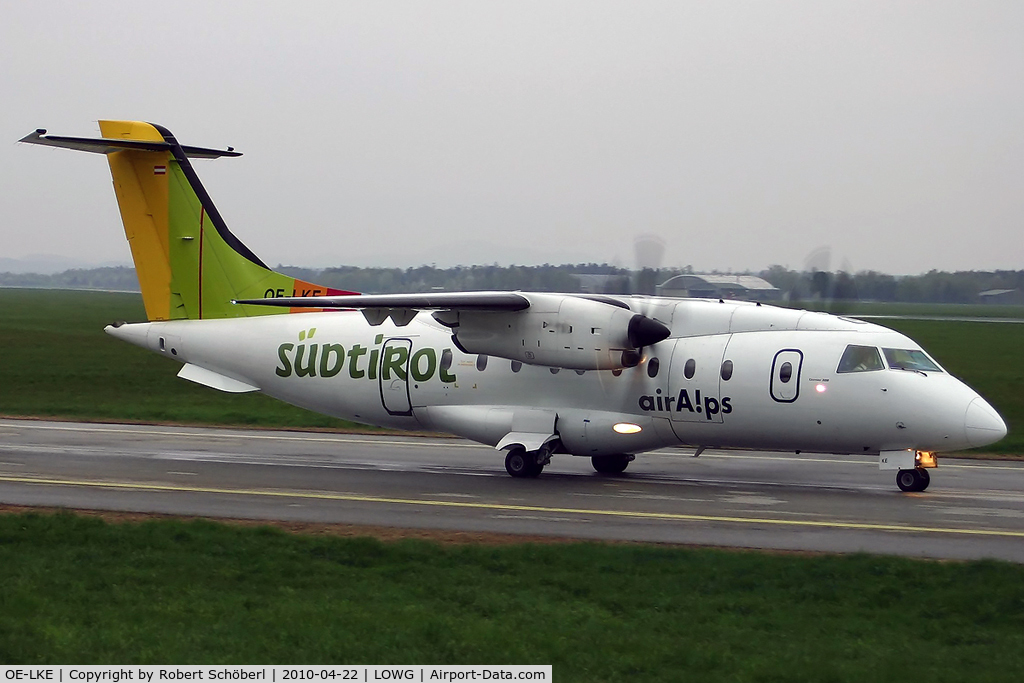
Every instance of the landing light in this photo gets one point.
(820, 388)
(627, 428)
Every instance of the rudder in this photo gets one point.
(189, 265)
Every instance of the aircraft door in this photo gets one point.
(786, 366)
(394, 376)
(694, 382)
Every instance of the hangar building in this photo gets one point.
(706, 286)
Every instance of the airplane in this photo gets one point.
(533, 374)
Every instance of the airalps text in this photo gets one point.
(709, 406)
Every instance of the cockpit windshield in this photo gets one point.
(910, 359)
(860, 359)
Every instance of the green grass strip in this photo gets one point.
(80, 590)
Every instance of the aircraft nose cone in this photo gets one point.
(983, 424)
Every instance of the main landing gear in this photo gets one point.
(913, 480)
(612, 464)
(521, 463)
(524, 464)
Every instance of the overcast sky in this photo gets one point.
(742, 134)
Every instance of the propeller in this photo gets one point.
(833, 292)
(648, 252)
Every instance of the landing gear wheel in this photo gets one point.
(521, 464)
(610, 464)
(913, 480)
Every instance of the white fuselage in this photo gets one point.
(415, 377)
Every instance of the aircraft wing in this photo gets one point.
(476, 301)
(402, 308)
(580, 332)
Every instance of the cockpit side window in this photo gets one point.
(860, 359)
(910, 359)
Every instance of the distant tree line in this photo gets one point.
(931, 287)
(962, 287)
(460, 278)
(112, 278)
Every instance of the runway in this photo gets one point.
(973, 509)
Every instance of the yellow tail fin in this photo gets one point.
(188, 263)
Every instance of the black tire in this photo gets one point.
(522, 465)
(925, 479)
(516, 463)
(610, 464)
(910, 480)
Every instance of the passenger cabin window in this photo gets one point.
(910, 359)
(726, 370)
(689, 368)
(481, 362)
(652, 367)
(516, 366)
(786, 372)
(446, 359)
(860, 359)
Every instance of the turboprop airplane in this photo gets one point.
(529, 373)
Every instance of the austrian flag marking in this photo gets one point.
(159, 170)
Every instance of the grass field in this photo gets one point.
(57, 361)
(900, 308)
(77, 589)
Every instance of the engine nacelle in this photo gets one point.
(557, 330)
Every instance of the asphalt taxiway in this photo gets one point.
(807, 502)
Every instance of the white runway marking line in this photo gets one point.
(979, 512)
(540, 518)
(450, 495)
(843, 461)
(509, 508)
(370, 439)
(213, 433)
(744, 498)
(650, 496)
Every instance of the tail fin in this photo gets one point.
(189, 265)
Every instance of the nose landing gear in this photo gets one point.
(913, 480)
(911, 467)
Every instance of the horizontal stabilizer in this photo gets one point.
(477, 301)
(111, 145)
